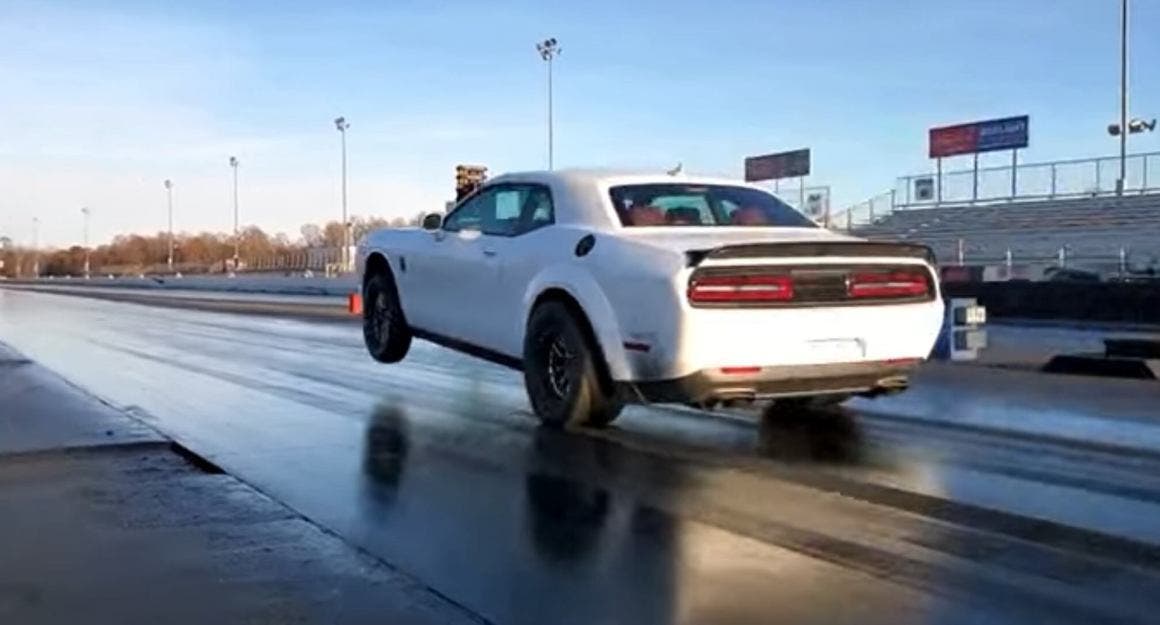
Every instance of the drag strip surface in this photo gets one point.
(971, 498)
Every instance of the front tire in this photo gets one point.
(385, 330)
(562, 371)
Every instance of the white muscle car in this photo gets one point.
(606, 288)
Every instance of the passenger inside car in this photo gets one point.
(646, 215)
(748, 216)
(683, 216)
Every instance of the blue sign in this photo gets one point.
(1002, 134)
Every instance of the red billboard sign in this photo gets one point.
(952, 140)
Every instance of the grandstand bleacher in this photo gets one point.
(1034, 231)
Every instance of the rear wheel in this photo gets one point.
(562, 371)
(385, 330)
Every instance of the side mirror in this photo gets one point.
(432, 221)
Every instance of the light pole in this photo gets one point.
(1125, 126)
(35, 247)
(1123, 97)
(341, 124)
(234, 166)
(549, 49)
(86, 212)
(169, 198)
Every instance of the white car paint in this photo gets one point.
(480, 289)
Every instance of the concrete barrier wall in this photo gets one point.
(1077, 301)
(244, 283)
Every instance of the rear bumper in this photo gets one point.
(711, 385)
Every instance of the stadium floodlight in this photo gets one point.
(549, 49)
(1136, 126)
(1140, 125)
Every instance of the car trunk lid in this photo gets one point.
(844, 272)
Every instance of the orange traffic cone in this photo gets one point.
(354, 303)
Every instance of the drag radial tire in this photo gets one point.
(562, 371)
(385, 329)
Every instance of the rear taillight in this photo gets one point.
(886, 284)
(745, 289)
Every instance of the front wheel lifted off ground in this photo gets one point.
(562, 370)
(385, 329)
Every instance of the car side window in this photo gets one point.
(505, 210)
(537, 209)
(504, 219)
(472, 214)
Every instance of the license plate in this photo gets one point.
(837, 350)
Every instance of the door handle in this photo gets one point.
(487, 252)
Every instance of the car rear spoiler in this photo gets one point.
(813, 249)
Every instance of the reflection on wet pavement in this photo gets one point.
(566, 516)
(385, 450)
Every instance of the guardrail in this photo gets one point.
(1113, 302)
(327, 261)
(1064, 256)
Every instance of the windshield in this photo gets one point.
(702, 205)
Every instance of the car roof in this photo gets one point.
(583, 192)
(597, 176)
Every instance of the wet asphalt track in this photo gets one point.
(980, 496)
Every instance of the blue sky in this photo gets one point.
(101, 101)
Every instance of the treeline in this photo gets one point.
(193, 253)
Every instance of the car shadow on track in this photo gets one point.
(825, 436)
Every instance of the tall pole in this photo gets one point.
(1014, 172)
(36, 247)
(549, 49)
(802, 193)
(551, 124)
(85, 211)
(975, 180)
(938, 186)
(1121, 183)
(341, 124)
(169, 202)
(234, 165)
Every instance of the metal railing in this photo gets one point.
(812, 201)
(1089, 177)
(864, 212)
(1121, 261)
(1069, 179)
